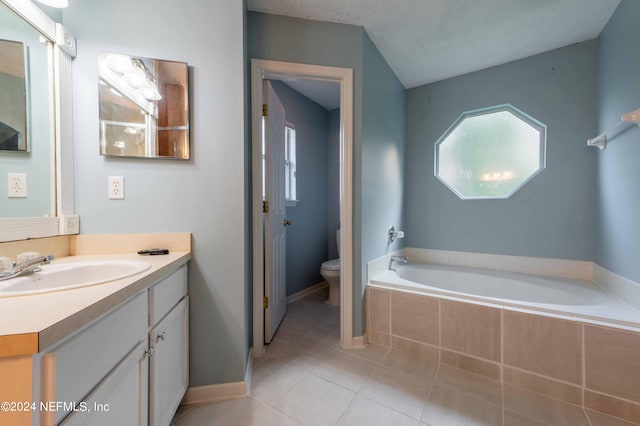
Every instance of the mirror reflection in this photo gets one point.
(143, 107)
(13, 96)
(27, 119)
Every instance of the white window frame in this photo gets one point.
(290, 162)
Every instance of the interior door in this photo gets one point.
(275, 277)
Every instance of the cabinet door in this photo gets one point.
(75, 367)
(168, 368)
(121, 398)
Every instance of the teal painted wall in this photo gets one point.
(383, 159)
(205, 195)
(552, 215)
(618, 175)
(333, 191)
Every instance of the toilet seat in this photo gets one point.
(331, 265)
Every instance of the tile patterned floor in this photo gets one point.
(305, 378)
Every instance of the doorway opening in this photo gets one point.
(261, 71)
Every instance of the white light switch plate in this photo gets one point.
(116, 187)
(17, 185)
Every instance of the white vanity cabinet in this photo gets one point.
(129, 367)
(169, 343)
(169, 365)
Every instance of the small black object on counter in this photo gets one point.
(154, 251)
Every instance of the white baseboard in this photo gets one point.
(359, 341)
(247, 373)
(307, 291)
(213, 393)
(222, 391)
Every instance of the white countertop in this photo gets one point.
(32, 323)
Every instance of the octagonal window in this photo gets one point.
(490, 153)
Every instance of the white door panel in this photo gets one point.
(275, 283)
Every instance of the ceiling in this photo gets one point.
(430, 40)
(324, 93)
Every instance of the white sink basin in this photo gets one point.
(66, 276)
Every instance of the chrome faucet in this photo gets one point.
(401, 259)
(31, 265)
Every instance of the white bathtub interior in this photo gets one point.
(567, 298)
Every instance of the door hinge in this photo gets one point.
(265, 207)
(265, 303)
(265, 110)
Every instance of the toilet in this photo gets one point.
(330, 271)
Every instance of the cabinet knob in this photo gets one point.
(149, 352)
(161, 336)
(287, 222)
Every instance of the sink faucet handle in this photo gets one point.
(6, 264)
(26, 257)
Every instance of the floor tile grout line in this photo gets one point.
(433, 383)
(346, 410)
(274, 408)
(382, 404)
(391, 408)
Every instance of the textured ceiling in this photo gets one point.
(430, 40)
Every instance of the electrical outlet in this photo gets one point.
(116, 187)
(17, 185)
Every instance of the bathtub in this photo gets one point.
(559, 297)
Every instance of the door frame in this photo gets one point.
(275, 70)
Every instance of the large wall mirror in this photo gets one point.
(36, 156)
(144, 107)
(26, 119)
(13, 96)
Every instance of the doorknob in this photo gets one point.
(287, 222)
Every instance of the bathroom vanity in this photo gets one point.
(112, 353)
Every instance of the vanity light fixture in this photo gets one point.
(134, 73)
(135, 79)
(60, 4)
(118, 63)
(151, 93)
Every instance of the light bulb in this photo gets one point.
(135, 79)
(118, 63)
(151, 93)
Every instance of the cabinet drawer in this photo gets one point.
(166, 293)
(81, 362)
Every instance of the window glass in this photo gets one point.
(490, 153)
(290, 163)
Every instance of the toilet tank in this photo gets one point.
(338, 241)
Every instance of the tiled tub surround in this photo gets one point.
(566, 361)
